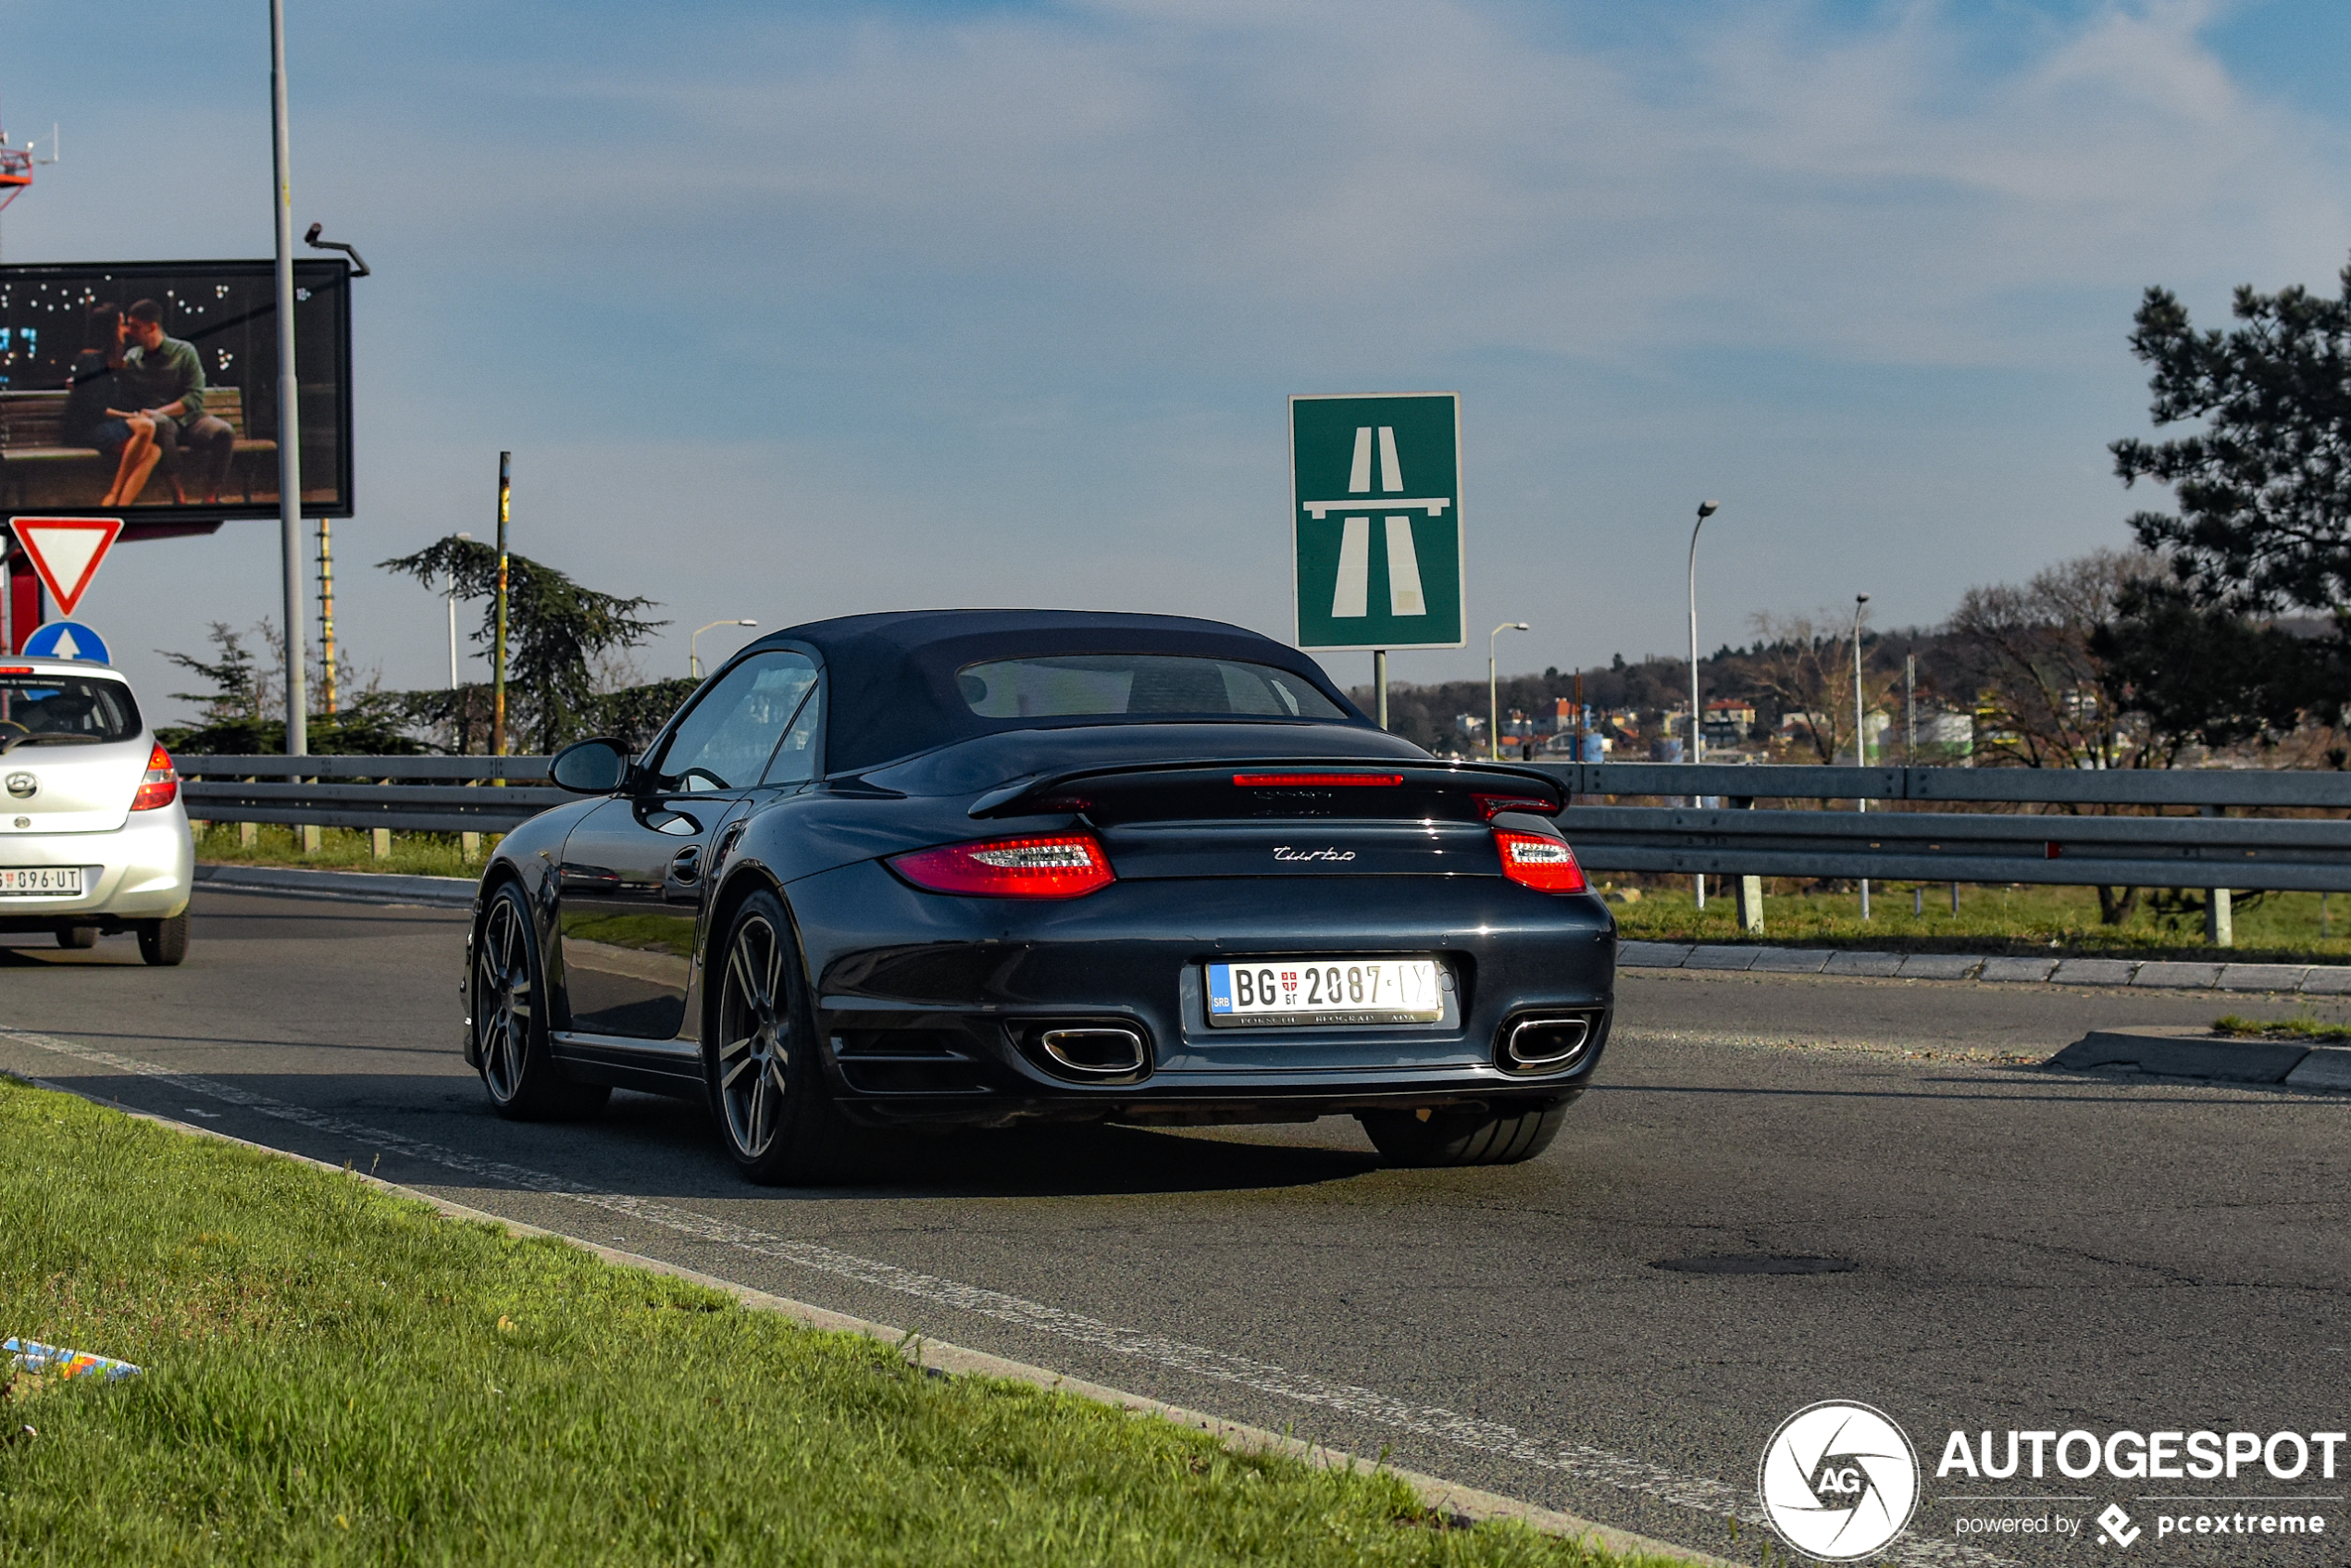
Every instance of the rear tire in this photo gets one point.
(77, 936)
(507, 998)
(1462, 1137)
(163, 943)
(774, 1109)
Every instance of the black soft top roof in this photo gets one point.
(892, 674)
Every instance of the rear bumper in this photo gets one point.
(144, 870)
(930, 1007)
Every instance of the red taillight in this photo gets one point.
(161, 785)
(1494, 805)
(1536, 860)
(1051, 865)
(1314, 781)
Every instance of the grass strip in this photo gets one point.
(335, 1375)
(2049, 922)
(2280, 1028)
(343, 849)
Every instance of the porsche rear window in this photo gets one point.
(32, 705)
(1091, 685)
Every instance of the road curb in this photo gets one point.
(350, 887)
(2315, 979)
(1445, 1498)
(2192, 1053)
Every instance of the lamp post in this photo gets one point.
(1698, 714)
(289, 397)
(1860, 736)
(694, 658)
(453, 618)
(1493, 693)
(1698, 718)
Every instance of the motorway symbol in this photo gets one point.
(66, 552)
(1376, 529)
(67, 639)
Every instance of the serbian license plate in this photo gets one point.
(1271, 991)
(56, 882)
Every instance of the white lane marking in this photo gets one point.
(1404, 596)
(1391, 472)
(1350, 596)
(1581, 1460)
(1358, 472)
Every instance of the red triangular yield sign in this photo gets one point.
(66, 552)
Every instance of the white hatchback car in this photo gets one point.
(94, 837)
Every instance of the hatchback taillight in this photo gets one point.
(1539, 862)
(160, 786)
(1050, 865)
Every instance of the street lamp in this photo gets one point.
(1493, 692)
(1698, 718)
(693, 659)
(1860, 736)
(453, 617)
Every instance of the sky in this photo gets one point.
(789, 311)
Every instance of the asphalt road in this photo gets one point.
(2013, 1247)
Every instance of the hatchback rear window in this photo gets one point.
(38, 709)
(1088, 685)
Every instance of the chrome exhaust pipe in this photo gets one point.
(1545, 1045)
(1094, 1052)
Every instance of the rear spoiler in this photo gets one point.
(1481, 789)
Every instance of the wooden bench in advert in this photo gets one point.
(38, 470)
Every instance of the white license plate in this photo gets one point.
(1269, 991)
(56, 882)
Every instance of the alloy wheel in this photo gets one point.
(754, 1038)
(502, 999)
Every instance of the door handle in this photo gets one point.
(686, 864)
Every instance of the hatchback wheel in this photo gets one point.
(164, 943)
(510, 1022)
(768, 1090)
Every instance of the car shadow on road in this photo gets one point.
(437, 1130)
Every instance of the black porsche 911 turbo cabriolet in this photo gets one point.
(984, 866)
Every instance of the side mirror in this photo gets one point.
(590, 767)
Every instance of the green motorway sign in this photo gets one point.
(1375, 486)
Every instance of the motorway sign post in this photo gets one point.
(1375, 524)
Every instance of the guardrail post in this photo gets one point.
(2220, 915)
(248, 834)
(1749, 901)
(470, 845)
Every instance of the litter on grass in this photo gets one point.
(54, 1360)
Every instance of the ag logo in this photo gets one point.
(23, 785)
(1839, 1480)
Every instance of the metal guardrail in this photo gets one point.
(461, 795)
(2054, 846)
(464, 795)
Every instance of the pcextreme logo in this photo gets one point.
(1839, 1480)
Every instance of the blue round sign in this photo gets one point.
(66, 640)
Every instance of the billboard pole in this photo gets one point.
(289, 411)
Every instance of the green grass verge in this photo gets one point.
(2280, 1028)
(343, 849)
(2282, 927)
(336, 1376)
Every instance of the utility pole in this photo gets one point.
(498, 642)
(1910, 710)
(1379, 682)
(289, 400)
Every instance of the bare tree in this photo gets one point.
(1804, 664)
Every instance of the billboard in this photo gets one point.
(150, 389)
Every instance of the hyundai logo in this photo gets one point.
(23, 785)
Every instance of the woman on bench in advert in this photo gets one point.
(91, 419)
